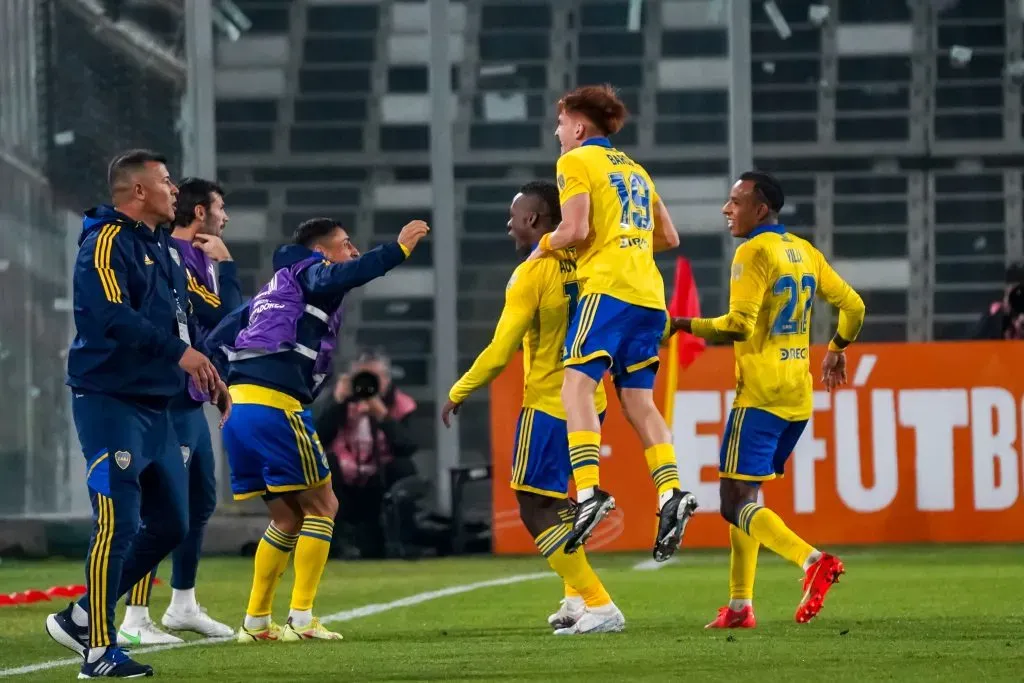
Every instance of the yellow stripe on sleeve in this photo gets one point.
(101, 261)
(206, 295)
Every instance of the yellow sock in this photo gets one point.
(271, 561)
(768, 528)
(585, 455)
(574, 569)
(310, 559)
(571, 592)
(661, 462)
(742, 564)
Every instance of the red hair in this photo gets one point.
(598, 104)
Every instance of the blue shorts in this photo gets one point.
(272, 448)
(757, 444)
(540, 463)
(607, 333)
(121, 439)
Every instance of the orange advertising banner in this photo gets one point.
(923, 445)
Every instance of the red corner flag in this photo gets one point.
(686, 304)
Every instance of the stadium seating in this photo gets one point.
(323, 109)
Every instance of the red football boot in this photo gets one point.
(818, 579)
(728, 618)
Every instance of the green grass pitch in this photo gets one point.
(927, 613)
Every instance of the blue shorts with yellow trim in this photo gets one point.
(757, 444)
(271, 444)
(607, 333)
(540, 463)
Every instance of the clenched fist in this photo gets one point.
(412, 234)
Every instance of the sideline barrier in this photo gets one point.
(923, 445)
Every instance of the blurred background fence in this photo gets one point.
(78, 82)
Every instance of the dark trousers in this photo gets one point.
(360, 506)
(193, 435)
(138, 489)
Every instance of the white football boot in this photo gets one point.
(569, 612)
(194, 618)
(605, 619)
(142, 631)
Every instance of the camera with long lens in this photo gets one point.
(365, 385)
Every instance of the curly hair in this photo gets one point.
(598, 104)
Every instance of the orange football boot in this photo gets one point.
(818, 579)
(728, 618)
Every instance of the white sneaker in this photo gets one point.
(195, 618)
(143, 633)
(569, 612)
(606, 619)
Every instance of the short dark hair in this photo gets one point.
(1015, 273)
(130, 162)
(547, 192)
(768, 189)
(310, 232)
(193, 192)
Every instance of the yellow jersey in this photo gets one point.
(540, 300)
(775, 276)
(617, 258)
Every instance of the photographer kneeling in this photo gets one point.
(365, 428)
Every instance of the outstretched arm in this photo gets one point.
(746, 291)
(522, 298)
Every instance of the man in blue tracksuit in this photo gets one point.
(213, 291)
(131, 355)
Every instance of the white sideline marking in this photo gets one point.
(344, 615)
(652, 564)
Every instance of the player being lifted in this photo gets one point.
(613, 216)
(540, 300)
(775, 276)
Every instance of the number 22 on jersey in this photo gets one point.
(635, 199)
(795, 315)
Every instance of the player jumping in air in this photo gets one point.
(775, 276)
(540, 300)
(613, 216)
(280, 349)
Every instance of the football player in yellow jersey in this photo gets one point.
(775, 276)
(539, 303)
(612, 214)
